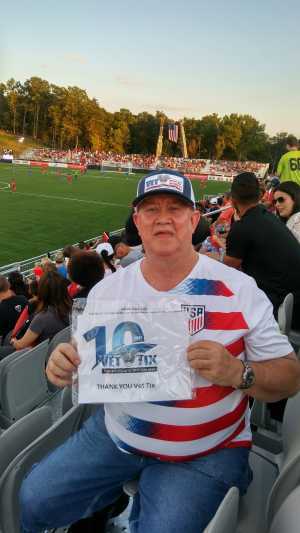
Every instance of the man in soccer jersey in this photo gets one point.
(186, 454)
(289, 165)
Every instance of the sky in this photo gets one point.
(186, 58)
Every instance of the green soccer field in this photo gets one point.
(46, 212)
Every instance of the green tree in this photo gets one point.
(13, 98)
(209, 128)
(37, 91)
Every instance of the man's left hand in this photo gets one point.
(215, 364)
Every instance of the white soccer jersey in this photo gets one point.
(223, 305)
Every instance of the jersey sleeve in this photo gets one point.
(264, 340)
(237, 241)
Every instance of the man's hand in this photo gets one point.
(63, 362)
(215, 364)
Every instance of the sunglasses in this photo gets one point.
(279, 200)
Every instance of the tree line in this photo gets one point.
(66, 118)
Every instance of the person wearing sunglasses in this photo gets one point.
(287, 204)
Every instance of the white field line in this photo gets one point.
(49, 197)
(6, 185)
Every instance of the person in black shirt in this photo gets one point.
(263, 247)
(10, 307)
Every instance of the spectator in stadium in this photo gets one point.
(61, 265)
(289, 165)
(52, 314)
(184, 470)
(37, 270)
(49, 266)
(106, 252)
(268, 196)
(68, 251)
(201, 232)
(26, 316)
(17, 283)
(85, 269)
(287, 203)
(225, 217)
(215, 245)
(263, 247)
(127, 254)
(11, 306)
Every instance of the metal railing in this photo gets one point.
(26, 266)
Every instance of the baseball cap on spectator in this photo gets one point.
(165, 181)
(105, 246)
(213, 201)
(275, 182)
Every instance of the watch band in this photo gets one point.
(248, 376)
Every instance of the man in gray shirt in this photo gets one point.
(126, 254)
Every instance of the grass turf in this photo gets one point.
(47, 212)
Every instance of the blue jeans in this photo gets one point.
(88, 471)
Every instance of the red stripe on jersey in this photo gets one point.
(204, 396)
(225, 321)
(180, 458)
(236, 347)
(174, 433)
(239, 444)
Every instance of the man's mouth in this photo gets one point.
(163, 234)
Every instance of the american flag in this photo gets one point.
(173, 132)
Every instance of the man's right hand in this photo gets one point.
(62, 363)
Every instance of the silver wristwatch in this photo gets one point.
(248, 377)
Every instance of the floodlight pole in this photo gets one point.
(183, 140)
(159, 144)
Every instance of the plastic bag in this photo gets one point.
(133, 352)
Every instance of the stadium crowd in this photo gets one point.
(228, 168)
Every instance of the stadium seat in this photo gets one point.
(287, 519)
(23, 385)
(62, 336)
(14, 474)
(274, 476)
(18, 436)
(285, 313)
(294, 338)
(225, 519)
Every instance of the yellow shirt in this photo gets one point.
(289, 167)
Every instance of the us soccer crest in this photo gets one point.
(196, 314)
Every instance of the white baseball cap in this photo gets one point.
(105, 246)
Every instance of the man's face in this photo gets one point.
(165, 224)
